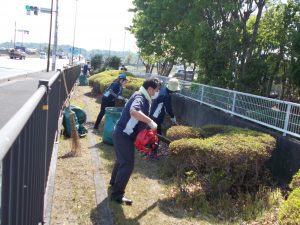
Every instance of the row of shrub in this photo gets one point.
(223, 157)
(102, 80)
(218, 159)
(289, 212)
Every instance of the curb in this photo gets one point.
(17, 76)
(50, 187)
(100, 186)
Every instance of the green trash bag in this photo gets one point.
(80, 119)
(80, 114)
(112, 115)
(83, 81)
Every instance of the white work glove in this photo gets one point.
(121, 97)
(174, 120)
(152, 125)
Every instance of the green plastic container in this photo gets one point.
(112, 115)
(83, 81)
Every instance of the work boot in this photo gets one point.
(124, 200)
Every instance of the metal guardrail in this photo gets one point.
(26, 144)
(279, 115)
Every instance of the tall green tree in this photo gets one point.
(97, 61)
(274, 44)
(151, 25)
(148, 61)
(245, 44)
(113, 62)
(295, 62)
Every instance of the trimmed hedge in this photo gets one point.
(295, 183)
(232, 159)
(289, 211)
(179, 132)
(102, 80)
(213, 129)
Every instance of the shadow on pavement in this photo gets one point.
(98, 215)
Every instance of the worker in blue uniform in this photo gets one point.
(134, 118)
(113, 92)
(163, 104)
(86, 69)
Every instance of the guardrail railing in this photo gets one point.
(26, 144)
(279, 115)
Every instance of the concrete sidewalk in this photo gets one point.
(15, 92)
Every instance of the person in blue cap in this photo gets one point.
(113, 92)
(134, 118)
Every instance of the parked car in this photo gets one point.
(60, 55)
(180, 75)
(17, 54)
(43, 55)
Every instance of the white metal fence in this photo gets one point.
(276, 114)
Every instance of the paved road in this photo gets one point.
(19, 80)
(14, 93)
(11, 68)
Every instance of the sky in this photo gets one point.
(100, 24)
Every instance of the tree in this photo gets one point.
(97, 61)
(148, 61)
(295, 64)
(128, 59)
(274, 43)
(150, 27)
(242, 45)
(113, 62)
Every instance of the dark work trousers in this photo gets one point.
(104, 104)
(158, 125)
(153, 153)
(124, 149)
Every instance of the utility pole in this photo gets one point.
(15, 35)
(36, 10)
(22, 38)
(49, 44)
(55, 39)
(109, 48)
(23, 32)
(74, 33)
(124, 48)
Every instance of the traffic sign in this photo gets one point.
(75, 50)
(45, 10)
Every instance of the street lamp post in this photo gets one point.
(74, 32)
